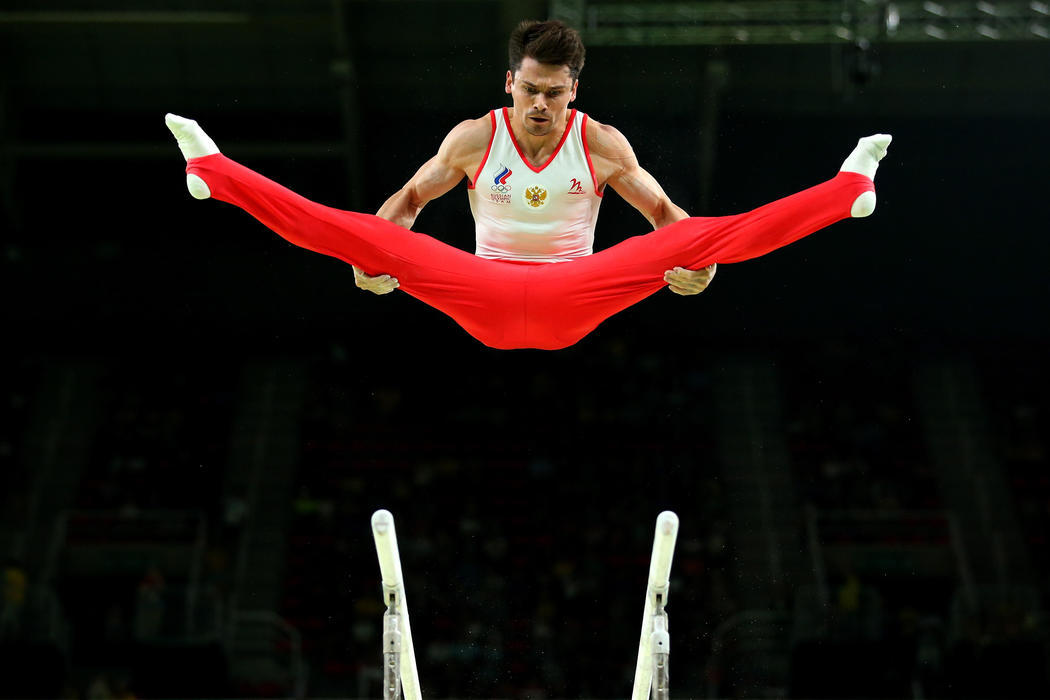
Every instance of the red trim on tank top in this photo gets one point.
(530, 166)
(587, 152)
(492, 137)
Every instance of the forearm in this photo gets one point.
(401, 209)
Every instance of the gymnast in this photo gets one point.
(536, 174)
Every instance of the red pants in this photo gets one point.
(512, 305)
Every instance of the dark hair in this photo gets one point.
(550, 42)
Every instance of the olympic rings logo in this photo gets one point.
(501, 188)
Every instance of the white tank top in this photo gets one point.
(540, 214)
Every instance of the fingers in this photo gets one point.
(689, 282)
(380, 284)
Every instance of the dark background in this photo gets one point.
(165, 354)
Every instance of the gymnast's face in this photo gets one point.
(541, 93)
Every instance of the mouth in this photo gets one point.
(538, 120)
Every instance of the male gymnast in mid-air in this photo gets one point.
(536, 173)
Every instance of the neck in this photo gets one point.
(538, 147)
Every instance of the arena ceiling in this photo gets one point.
(109, 55)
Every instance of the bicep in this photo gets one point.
(433, 179)
(621, 171)
(462, 147)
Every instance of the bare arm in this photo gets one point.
(465, 145)
(460, 153)
(432, 180)
(616, 165)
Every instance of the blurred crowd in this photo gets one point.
(525, 491)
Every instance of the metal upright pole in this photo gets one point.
(661, 649)
(391, 652)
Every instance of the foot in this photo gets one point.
(865, 160)
(193, 143)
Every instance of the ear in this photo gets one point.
(575, 86)
(509, 86)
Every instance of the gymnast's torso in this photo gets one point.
(534, 213)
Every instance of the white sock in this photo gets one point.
(865, 160)
(193, 143)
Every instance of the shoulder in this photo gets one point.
(611, 153)
(468, 138)
(606, 141)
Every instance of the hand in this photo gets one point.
(689, 282)
(380, 284)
